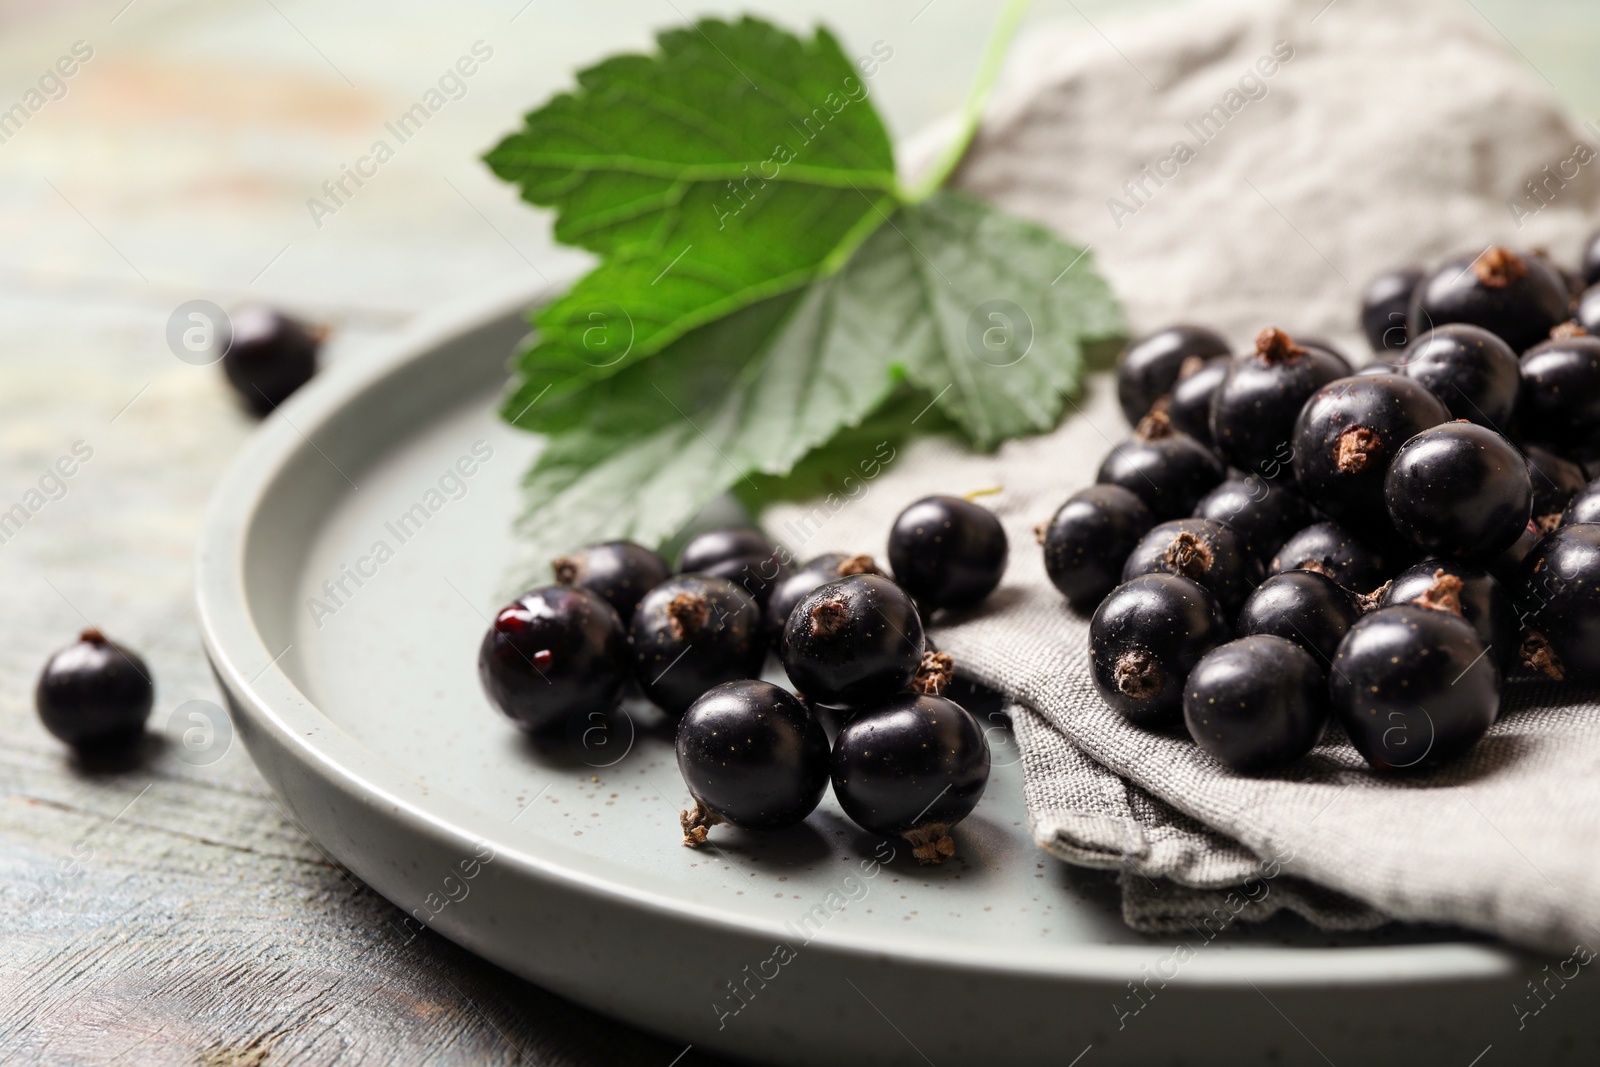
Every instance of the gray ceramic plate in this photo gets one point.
(348, 568)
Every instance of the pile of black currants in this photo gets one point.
(1285, 539)
(907, 761)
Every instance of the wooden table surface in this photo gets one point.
(166, 910)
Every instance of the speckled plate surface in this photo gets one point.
(347, 571)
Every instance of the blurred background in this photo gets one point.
(176, 163)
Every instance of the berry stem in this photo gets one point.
(931, 843)
(698, 823)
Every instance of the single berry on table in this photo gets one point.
(1329, 549)
(1473, 372)
(853, 642)
(947, 552)
(1556, 482)
(1263, 513)
(1145, 638)
(1305, 607)
(269, 356)
(1345, 438)
(1256, 703)
(1169, 471)
(1484, 602)
(1189, 403)
(814, 574)
(912, 768)
(1560, 604)
(1384, 305)
(1203, 550)
(1253, 412)
(1412, 684)
(1560, 397)
(552, 653)
(1147, 368)
(751, 755)
(1459, 490)
(740, 554)
(95, 694)
(620, 571)
(691, 633)
(1089, 538)
(1517, 298)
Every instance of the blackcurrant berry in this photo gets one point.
(1471, 370)
(753, 756)
(269, 356)
(1384, 305)
(1588, 309)
(1345, 438)
(691, 633)
(1459, 490)
(1305, 607)
(1145, 638)
(947, 552)
(738, 553)
(1517, 298)
(1329, 549)
(814, 574)
(620, 571)
(1484, 602)
(1556, 481)
(1560, 398)
(1189, 403)
(1147, 368)
(95, 694)
(1585, 506)
(1560, 604)
(1168, 470)
(1263, 513)
(852, 642)
(552, 653)
(1203, 550)
(912, 768)
(1412, 685)
(1591, 260)
(1253, 412)
(1089, 538)
(1256, 703)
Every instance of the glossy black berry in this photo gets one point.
(691, 633)
(1384, 305)
(1556, 481)
(1256, 703)
(1483, 601)
(1560, 397)
(853, 642)
(1517, 298)
(95, 694)
(1168, 470)
(1459, 490)
(1591, 260)
(552, 653)
(1088, 540)
(1189, 403)
(1585, 506)
(269, 356)
(1329, 549)
(1559, 598)
(1413, 687)
(753, 756)
(1147, 368)
(1305, 607)
(912, 768)
(799, 584)
(1203, 550)
(740, 554)
(1345, 438)
(1471, 370)
(1253, 412)
(1263, 513)
(947, 552)
(1587, 312)
(620, 571)
(1145, 638)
